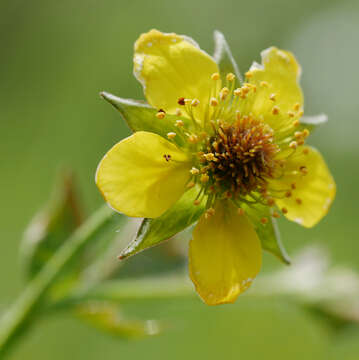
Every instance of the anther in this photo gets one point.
(237, 92)
(296, 123)
(264, 220)
(241, 211)
(190, 185)
(195, 102)
(300, 142)
(230, 77)
(178, 112)
(194, 171)
(223, 93)
(193, 139)
(248, 74)
(299, 201)
(171, 135)
(264, 84)
(293, 145)
(196, 202)
(179, 123)
(276, 215)
(204, 178)
(213, 101)
(291, 114)
(272, 97)
(298, 134)
(296, 106)
(215, 76)
(284, 210)
(275, 110)
(209, 156)
(293, 186)
(210, 212)
(161, 114)
(181, 101)
(270, 202)
(288, 194)
(303, 170)
(306, 151)
(305, 133)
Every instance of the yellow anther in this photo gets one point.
(293, 145)
(245, 88)
(178, 112)
(204, 178)
(298, 134)
(306, 151)
(190, 185)
(237, 92)
(264, 84)
(215, 76)
(179, 123)
(296, 107)
(196, 202)
(171, 135)
(276, 215)
(288, 194)
(293, 186)
(160, 115)
(275, 110)
(264, 220)
(306, 133)
(195, 102)
(187, 101)
(223, 93)
(284, 210)
(230, 77)
(213, 101)
(299, 201)
(291, 114)
(193, 139)
(194, 171)
(272, 97)
(296, 123)
(300, 142)
(248, 74)
(209, 156)
(210, 212)
(241, 211)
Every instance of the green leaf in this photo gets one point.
(107, 317)
(154, 231)
(224, 58)
(139, 116)
(268, 234)
(51, 226)
(311, 122)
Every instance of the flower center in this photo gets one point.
(243, 157)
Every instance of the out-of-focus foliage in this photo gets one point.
(57, 57)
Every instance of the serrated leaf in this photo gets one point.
(154, 231)
(140, 116)
(51, 226)
(107, 317)
(311, 122)
(224, 58)
(268, 234)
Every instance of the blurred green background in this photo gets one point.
(55, 58)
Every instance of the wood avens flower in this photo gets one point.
(212, 148)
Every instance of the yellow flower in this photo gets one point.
(235, 148)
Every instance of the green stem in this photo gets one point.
(19, 316)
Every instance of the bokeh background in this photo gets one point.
(55, 57)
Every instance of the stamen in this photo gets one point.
(161, 114)
(272, 97)
(276, 215)
(284, 210)
(215, 76)
(178, 112)
(194, 171)
(179, 123)
(213, 101)
(299, 201)
(275, 110)
(181, 101)
(264, 220)
(171, 135)
(195, 102)
(230, 77)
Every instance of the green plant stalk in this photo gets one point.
(18, 318)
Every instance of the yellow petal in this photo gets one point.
(143, 175)
(224, 255)
(172, 66)
(278, 92)
(313, 193)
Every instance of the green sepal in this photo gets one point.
(224, 58)
(51, 226)
(312, 122)
(154, 231)
(140, 116)
(268, 233)
(107, 317)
